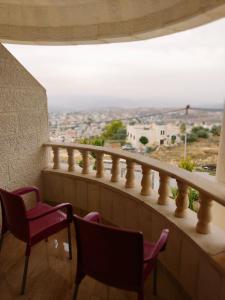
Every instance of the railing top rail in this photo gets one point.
(213, 189)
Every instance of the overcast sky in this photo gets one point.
(179, 69)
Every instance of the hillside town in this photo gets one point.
(160, 126)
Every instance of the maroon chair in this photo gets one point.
(4, 226)
(33, 225)
(114, 256)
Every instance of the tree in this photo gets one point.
(196, 129)
(201, 132)
(173, 139)
(215, 130)
(182, 128)
(191, 137)
(113, 130)
(143, 140)
(121, 134)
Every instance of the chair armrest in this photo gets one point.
(149, 258)
(68, 206)
(93, 217)
(26, 190)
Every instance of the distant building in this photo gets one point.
(157, 134)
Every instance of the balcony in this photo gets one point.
(193, 266)
(195, 253)
(193, 257)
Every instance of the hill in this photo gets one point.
(202, 152)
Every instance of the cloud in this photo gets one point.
(175, 69)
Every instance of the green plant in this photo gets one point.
(193, 196)
(203, 134)
(114, 130)
(150, 149)
(215, 130)
(81, 164)
(187, 164)
(96, 141)
(173, 139)
(191, 138)
(182, 128)
(143, 140)
(200, 131)
(95, 166)
(121, 134)
(174, 191)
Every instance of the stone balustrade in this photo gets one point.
(208, 190)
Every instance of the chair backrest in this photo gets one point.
(111, 255)
(15, 214)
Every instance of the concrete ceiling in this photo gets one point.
(101, 21)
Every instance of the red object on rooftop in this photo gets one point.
(33, 225)
(114, 256)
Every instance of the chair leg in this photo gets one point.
(155, 279)
(69, 242)
(141, 295)
(24, 275)
(75, 291)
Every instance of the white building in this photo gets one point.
(157, 134)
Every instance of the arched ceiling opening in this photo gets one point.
(101, 21)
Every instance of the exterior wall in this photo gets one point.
(192, 267)
(23, 124)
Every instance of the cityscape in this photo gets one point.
(162, 129)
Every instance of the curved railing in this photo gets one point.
(208, 190)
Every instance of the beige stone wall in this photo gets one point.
(192, 266)
(23, 124)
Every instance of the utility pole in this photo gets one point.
(185, 135)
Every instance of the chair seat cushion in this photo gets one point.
(47, 225)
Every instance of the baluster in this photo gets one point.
(70, 152)
(146, 181)
(130, 174)
(56, 164)
(163, 189)
(204, 214)
(85, 169)
(99, 165)
(182, 201)
(115, 169)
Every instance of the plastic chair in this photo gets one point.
(114, 256)
(33, 225)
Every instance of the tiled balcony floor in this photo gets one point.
(51, 273)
